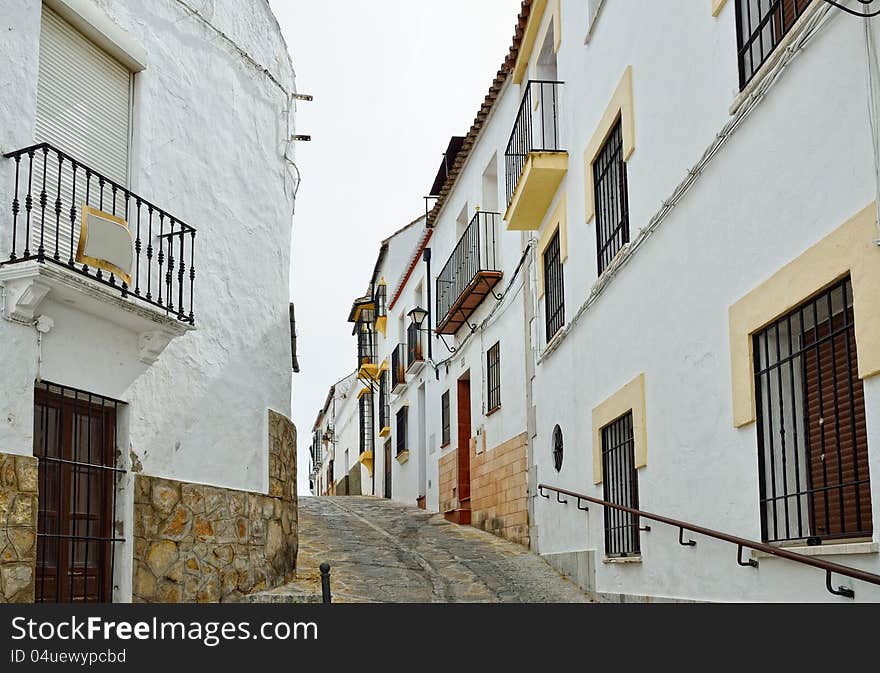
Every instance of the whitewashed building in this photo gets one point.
(681, 288)
(148, 192)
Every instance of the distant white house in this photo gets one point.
(145, 338)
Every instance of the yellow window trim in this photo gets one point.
(629, 398)
(620, 107)
(848, 249)
(530, 35)
(717, 6)
(384, 366)
(558, 222)
(364, 391)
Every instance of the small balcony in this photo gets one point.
(535, 162)
(415, 350)
(367, 367)
(91, 243)
(380, 300)
(398, 369)
(469, 275)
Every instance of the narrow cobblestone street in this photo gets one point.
(382, 551)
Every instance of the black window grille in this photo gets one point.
(557, 448)
(812, 435)
(75, 442)
(380, 299)
(402, 429)
(760, 27)
(384, 403)
(620, 482)
(398, 367)
(493, 376)
(414, 345)
(365, 404)
(554, 294)
(444, 418)
(365, 339)
(612, 203)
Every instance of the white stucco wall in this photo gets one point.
(209, 135)
(798, 167)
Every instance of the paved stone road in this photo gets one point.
(386, 552)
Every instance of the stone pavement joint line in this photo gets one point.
(381, 551)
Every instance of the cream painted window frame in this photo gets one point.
(558, 222)
(630, 397)
(717, 6)
(849, 249)
(593, 20)
(620, 108)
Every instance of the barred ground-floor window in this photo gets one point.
(812, 434)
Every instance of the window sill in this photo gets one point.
(771, 62)
(445, 445)
(844, 549)
(402, 457)
(613, 560)
(494, 411)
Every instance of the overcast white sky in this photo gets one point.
(392, 81)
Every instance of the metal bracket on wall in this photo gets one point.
(739, 559)
(681, 540)
(839, 591)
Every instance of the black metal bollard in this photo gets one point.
(325, 583)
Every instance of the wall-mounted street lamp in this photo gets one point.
(418, 316)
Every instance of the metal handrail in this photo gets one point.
(828, 566)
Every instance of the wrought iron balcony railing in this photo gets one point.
(52, 190)
(469, 275)
(536, 129)
(414, 349)
(398, 368)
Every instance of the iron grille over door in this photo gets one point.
(554, 295)
(760, 27)
(620, 482)
(612, 202)
(75, 442)
(812, 434)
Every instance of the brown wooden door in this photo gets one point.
(74, 440)
(837, 437)
(464, 442)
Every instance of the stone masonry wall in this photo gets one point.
(195, 543)
(499, 489)
(18, 528)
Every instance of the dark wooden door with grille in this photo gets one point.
(74, 440)
(837, 436)
(388, 469)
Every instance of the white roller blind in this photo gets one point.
(83, 99)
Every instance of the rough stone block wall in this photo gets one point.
(447, 481)
(499, 490)
(195, 543)
(18, 528)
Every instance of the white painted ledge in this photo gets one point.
(849, 548)
(28, 284)
(614, 560)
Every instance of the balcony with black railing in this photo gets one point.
(415, 350)
(535, 161)
(66, 215)
(398, 368)
(470, 274)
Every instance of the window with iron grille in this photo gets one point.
(384, 404)
(612, 203)
(493, 377)
(402, 429)
(812, 436)
(620, 482)
(75, 442)
(557, 448)
(554, 295)
(444, 418)
(365, 404)
(760, 27)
